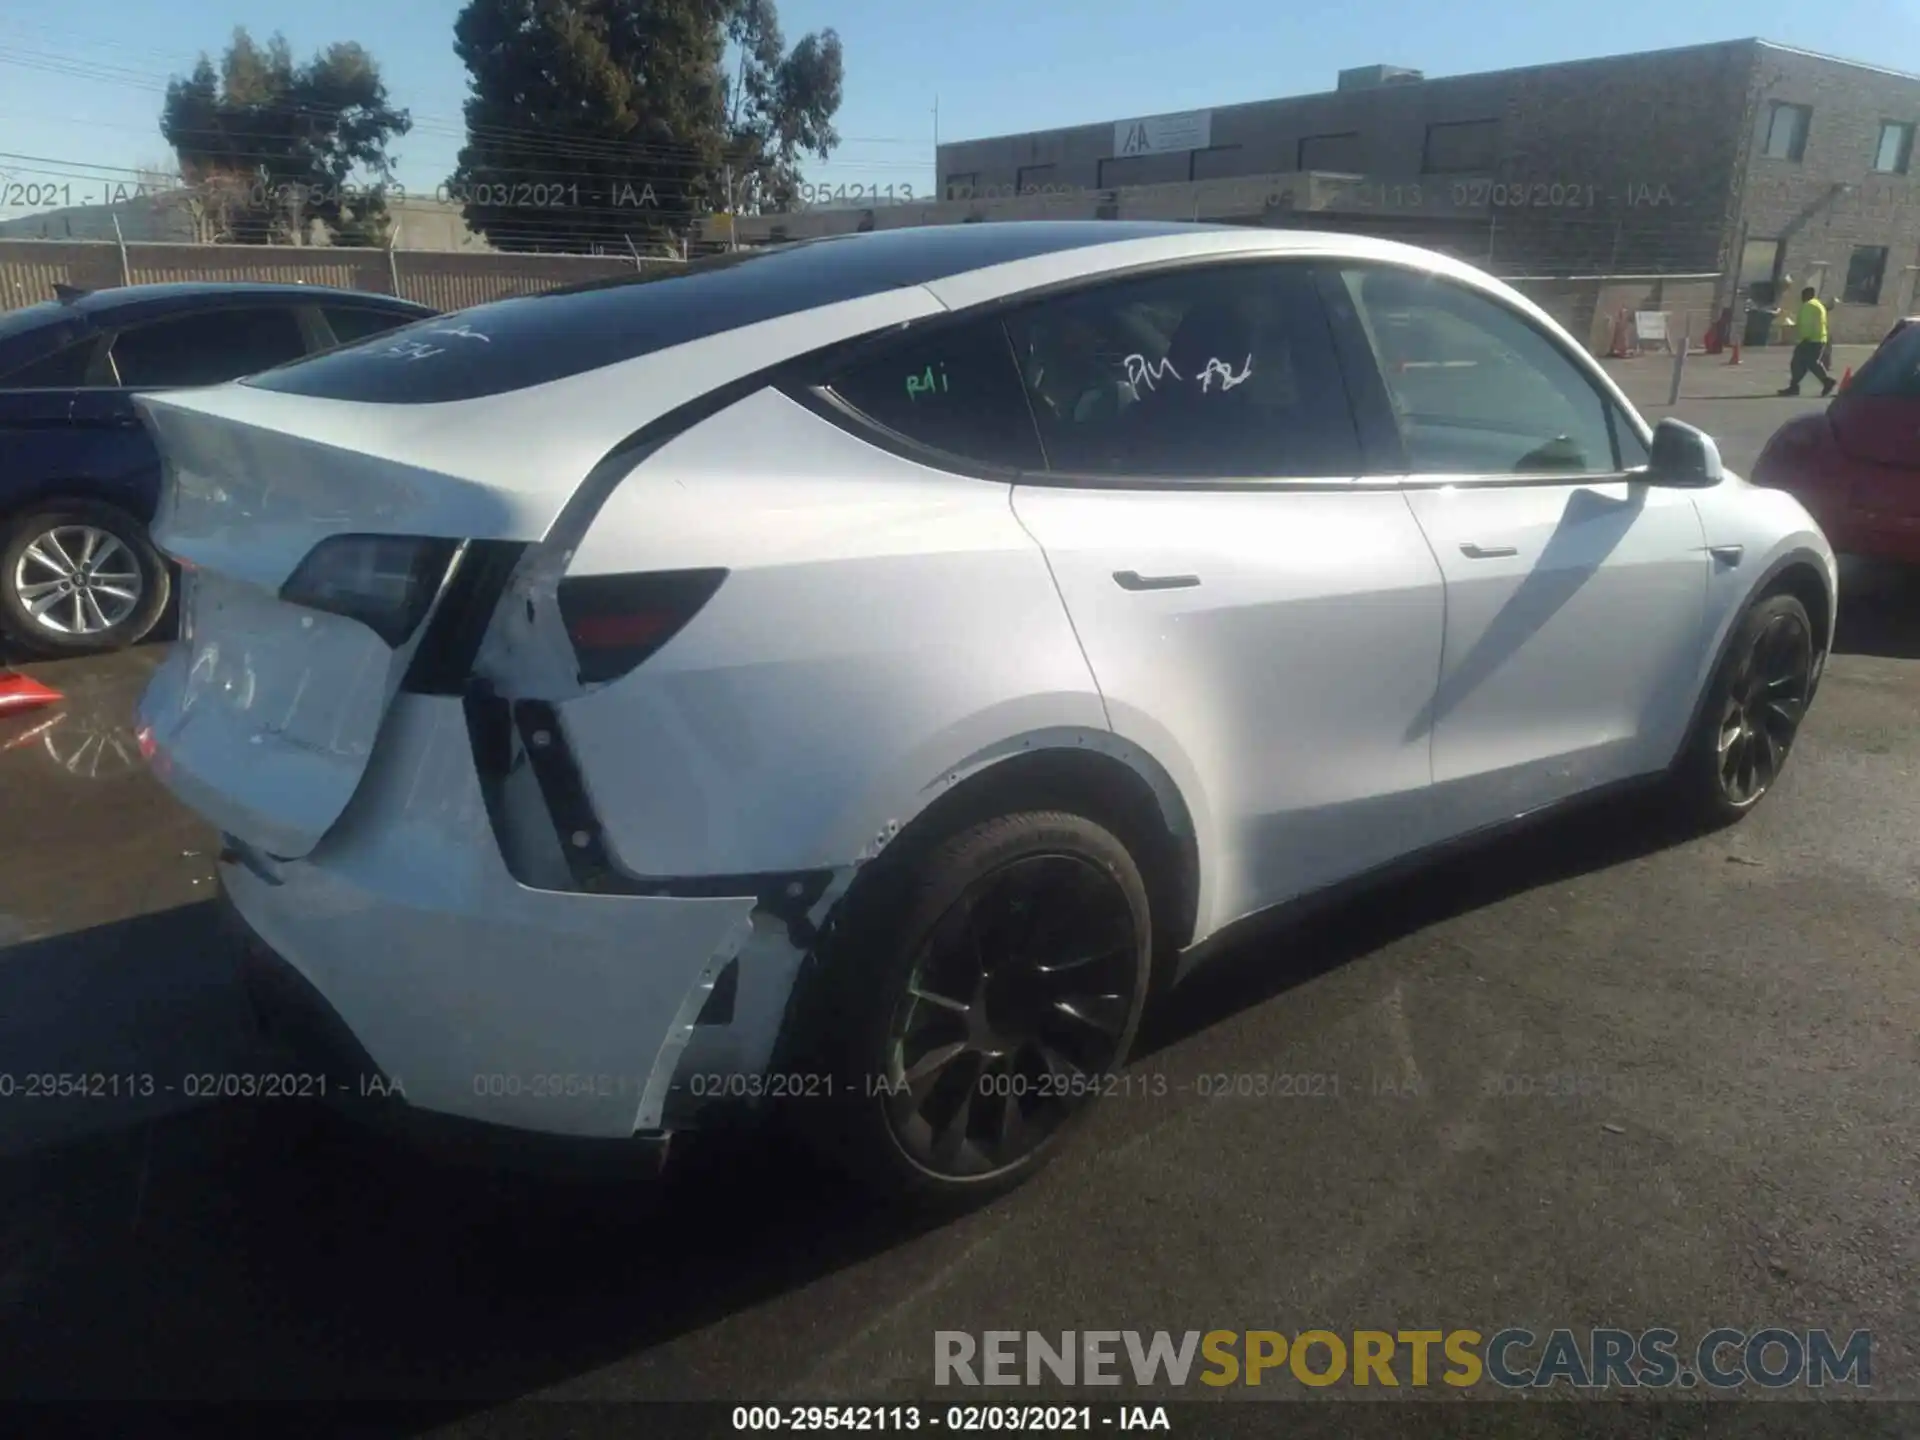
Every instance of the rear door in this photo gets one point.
(1256, 617)
(1576, 592)
(110, 449)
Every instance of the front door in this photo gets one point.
(1576, 592)
(1877, 424)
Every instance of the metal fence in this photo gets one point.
(1588, 305)
(30, 269)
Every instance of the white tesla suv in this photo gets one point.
(844, 676)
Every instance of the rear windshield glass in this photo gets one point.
(530, 340)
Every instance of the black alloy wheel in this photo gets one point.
(1765, 703)
(1752, 715)
(975, 996)
(1022, 996)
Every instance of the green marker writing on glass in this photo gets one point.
(925, 383)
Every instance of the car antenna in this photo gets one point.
(67, 294)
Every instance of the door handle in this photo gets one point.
(1134, 580)
(1488, 552)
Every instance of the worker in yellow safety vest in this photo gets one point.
(1810, 343)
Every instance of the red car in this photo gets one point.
(1856, 465)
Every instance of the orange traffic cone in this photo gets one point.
(1621, 344)
(1847, 379)
(22, 692)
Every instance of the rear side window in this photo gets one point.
(1227, 372)
(953, 389)
(208, 347)
(351, 325)
(1476, 388)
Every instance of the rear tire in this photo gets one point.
(971, 1001)
(1752, 715)
(107, 565)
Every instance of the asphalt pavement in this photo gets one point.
(1739, 1011)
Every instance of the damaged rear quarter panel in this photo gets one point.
(881, 622)
(480, 996)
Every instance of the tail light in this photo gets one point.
(386, 582)
(617, 621)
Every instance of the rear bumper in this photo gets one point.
(320, 1048)
(408, 957)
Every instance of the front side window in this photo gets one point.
(1477, 389)
(1893, 372)
(1787, 132)
(951, 388)
(1221, 373)
(1633, 451)
(207, 348)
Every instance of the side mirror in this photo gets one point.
(1683, 456)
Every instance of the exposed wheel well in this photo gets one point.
(1805, 584)
(1086, 782)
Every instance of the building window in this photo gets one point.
(1895, 152)
(1034, 180)
(1787, 131)
(1166, 168)
(1865, 269)
(1216, 162)
(1461, 147)
(1762, 262)
(1337, 153)
(961, 186)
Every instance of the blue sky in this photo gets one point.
(81, 83)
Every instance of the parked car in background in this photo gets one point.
(79, 476)
(1856, 464)
(849, 675)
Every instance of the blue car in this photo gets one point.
(79, 477)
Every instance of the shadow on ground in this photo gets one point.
(1291, 948)
(269, 1252)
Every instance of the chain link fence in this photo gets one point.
(446, 280)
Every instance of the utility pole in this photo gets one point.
(936, 149)
(733, 230)
(120, 239)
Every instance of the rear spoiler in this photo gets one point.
(67, 294)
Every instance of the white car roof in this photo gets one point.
(521, 398)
